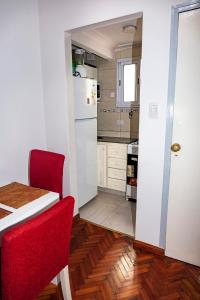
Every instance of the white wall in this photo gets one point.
(58, 16)
(21, 108)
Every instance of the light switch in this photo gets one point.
(153, 110)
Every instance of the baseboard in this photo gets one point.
(76, 218)
(109, 229)
(148, 247)
(111, 191)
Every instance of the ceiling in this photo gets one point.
(103, 40)
(114, 34)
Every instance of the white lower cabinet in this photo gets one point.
(116, 173)
(112, 162)
(116, 184)
(117, 150)
(101, 164)
(117, 163)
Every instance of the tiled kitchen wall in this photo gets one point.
(111, 120)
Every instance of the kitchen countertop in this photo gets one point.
(119, 140)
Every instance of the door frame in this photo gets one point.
(73, 186)
(176, 10)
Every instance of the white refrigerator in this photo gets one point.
(85, 95)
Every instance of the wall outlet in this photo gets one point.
(120, 122)
(112, 95)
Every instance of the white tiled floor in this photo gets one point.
(111, 211)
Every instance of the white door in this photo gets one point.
(183, 224)
(86, 155)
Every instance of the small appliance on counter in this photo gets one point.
(78, 63)
(80, 71)
(132, 166)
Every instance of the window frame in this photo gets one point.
(119, 84)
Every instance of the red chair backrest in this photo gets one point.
(33, 253)
(46, 170)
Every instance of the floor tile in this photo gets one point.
(111, 211)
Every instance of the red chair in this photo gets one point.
(33, 253)
(46, 170)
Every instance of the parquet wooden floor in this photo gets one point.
(104, 266)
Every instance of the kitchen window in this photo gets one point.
(127, 82)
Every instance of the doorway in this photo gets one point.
(183, 221)
(115, 205)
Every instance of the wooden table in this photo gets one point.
(19, 202)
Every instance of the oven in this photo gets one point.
(132, 170)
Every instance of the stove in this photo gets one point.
(133, 147)
(132, 166)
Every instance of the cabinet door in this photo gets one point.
(116, 184)
(117, 173)
(117, 150)
(117, 163)
(101, 165)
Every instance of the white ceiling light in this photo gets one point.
(129, 28)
